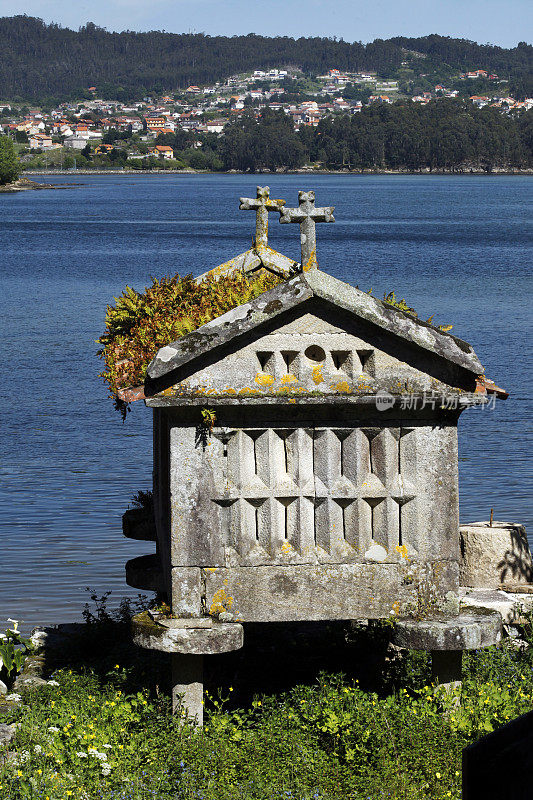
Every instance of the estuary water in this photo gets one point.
(457, 248)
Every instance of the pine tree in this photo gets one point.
(9, 163)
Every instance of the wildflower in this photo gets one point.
(16, 698)
(437, 774)
(16, 625)
(52, 683)
(53, 729)
(38, 749)
(106, 769)
(81, 755)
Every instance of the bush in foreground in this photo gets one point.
(98, 735)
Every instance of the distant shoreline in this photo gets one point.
(466, 173)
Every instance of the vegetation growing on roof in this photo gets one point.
(139, 323)
(402, 305)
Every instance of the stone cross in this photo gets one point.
(307, 215)
(261, 205)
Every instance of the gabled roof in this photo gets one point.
(257, 257)
(296, 291)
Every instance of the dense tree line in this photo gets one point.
(42, 61)
(444, 134)
(9, 163)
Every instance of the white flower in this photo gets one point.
(16, 698)
(109, 746)
(38, 749)
(15, 624)
(81, 755)
(52, 683)
(3, 636)
(106, 769)
(94, 752)
(53, 729)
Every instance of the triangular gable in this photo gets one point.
(289, 295)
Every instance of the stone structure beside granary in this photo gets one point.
(306, 468)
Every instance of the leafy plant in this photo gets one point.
(209, 418)
(13, 651)
(143, 501)
(139, 323)
(402, 305)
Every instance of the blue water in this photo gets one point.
(456, 247)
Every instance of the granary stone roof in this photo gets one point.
(299, 290)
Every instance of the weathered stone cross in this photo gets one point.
(261, 205)
(307, 215)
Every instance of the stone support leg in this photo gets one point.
(188, 684)
(446, 667)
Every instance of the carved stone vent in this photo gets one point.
(347, 362)
(318, 494)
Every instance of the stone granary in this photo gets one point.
(324, 484)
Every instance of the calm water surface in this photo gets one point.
(456, 247)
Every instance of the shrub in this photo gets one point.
(141, 322)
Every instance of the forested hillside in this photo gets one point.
(40, 61)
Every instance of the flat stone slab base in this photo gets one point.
(221, 637)
(511, 605)
(469, 630)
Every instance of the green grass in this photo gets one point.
(105, 732)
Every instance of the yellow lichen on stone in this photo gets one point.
(221, 602)
(290, 390)
(264, 380)
(402, 550)
(311, 262)
(289, 379)
(317, 375)
(341, 386)
(249, 390)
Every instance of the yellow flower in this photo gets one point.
(437, 774)
(117, 666)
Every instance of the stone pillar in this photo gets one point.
(188, 685)
(446, 667)
(495, 555)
